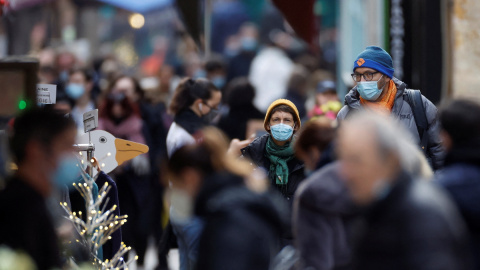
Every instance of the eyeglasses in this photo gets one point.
(368, 76)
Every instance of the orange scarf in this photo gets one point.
(385, 104)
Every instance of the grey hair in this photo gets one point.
(393, 138)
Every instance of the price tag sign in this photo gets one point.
(90, 120)
(46, 93)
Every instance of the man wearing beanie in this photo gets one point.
(378, 90)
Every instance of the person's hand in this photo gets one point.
(236, 146)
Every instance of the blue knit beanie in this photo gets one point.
(376, 58)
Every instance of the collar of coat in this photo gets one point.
(255, 152)
(189, 121)
(352, 99)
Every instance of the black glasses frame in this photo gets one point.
(368, 76)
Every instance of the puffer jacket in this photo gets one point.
(402, 110)
(255, 152)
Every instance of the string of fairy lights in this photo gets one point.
(99, 224)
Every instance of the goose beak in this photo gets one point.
(127, 150)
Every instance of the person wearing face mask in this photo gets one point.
(78, 89)
(194, 106)
(379, 91)
(120, 116)
(216, 71)
(241, 223)
(239, 65)
(41, 144)
(274, 152)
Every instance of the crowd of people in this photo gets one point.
(255, 164)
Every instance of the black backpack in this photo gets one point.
(414, 99)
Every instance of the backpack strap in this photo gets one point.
(414, 99)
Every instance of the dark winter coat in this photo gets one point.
(241, 227)
(322, 213)
(402, 110)
(26, 224)
(416, 226)
(234, 124)
(461, 178)
(255, 152)
(113, 245)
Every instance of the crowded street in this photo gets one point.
(239, 135)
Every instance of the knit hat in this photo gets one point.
(276, 103)
(376, 58)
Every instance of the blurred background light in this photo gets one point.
(136, 20)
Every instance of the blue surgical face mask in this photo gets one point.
(248, 44)
(75, 90)
(199, 73)
(219, 81)
(281, 132)
(67, 172)
(369, 90)
(230, 52)
(64, 76)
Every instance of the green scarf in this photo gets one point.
(279, 156)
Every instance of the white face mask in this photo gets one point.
(181, 210)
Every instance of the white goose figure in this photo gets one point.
(110, 152)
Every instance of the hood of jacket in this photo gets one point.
(352, 99)
(223, 192)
